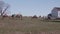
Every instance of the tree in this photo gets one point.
(3, 7)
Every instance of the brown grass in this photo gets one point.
(28, 26)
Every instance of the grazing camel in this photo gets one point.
(34, 17)
(13, 15)
(17, 16)
(4, 16)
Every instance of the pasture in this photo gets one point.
(28, 26)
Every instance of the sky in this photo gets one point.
(32, 7)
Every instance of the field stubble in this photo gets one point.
(28, 26)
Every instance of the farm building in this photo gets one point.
(56, 12)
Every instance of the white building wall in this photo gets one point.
(58, 14)
(54, 13)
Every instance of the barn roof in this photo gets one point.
(57, 8)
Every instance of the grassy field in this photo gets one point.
(28, 26)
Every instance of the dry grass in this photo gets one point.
(28, 26)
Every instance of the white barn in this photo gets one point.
(56, 12)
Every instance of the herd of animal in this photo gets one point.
(17, 16)
(20, 16)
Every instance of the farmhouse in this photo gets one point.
(56, 12)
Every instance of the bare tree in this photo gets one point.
(3, 7)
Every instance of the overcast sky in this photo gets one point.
(32, 7)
